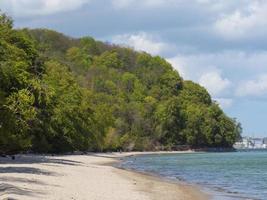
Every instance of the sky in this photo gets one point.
(220, 44)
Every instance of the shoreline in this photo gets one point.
(57, 177)
(195, 191)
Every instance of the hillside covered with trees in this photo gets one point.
(60, 94)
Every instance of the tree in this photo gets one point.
(61, 94)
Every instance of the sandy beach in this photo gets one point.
(84, 177)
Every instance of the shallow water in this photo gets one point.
(235, 175)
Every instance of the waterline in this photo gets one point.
(235, 175)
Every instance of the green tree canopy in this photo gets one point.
(60, 94)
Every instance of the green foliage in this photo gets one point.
(79, 58)
(194, 93)
(108, 59)
(89, 46)
(170, 120)
(60, 94)
(17, 88)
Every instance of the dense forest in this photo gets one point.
(60, 94)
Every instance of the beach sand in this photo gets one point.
(84, 177)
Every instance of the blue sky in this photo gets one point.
(221, 44)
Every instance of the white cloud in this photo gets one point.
(236, 65)
(224, 102)
(207, 76)
(214, 82)
(257, 87)
(209, 4)
(202, 69)
(147, 3)
(122, 3)
(244, 22)
(142, 42)
(181, 66)
(39, 7)
(193, 66)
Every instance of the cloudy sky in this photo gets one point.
(221, 44)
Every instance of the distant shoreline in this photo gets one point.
(86, 177)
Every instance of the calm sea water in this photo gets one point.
(237, 175)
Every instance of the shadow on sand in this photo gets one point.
(25, 170)
(36, 159)
(8, 183)
(7, 189)
(23, 180)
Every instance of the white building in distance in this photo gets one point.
(251, 143)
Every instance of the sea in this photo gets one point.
(226, 176)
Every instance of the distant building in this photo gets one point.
(264, 143)
(251, 143)
(244, 143)
(258, 143)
